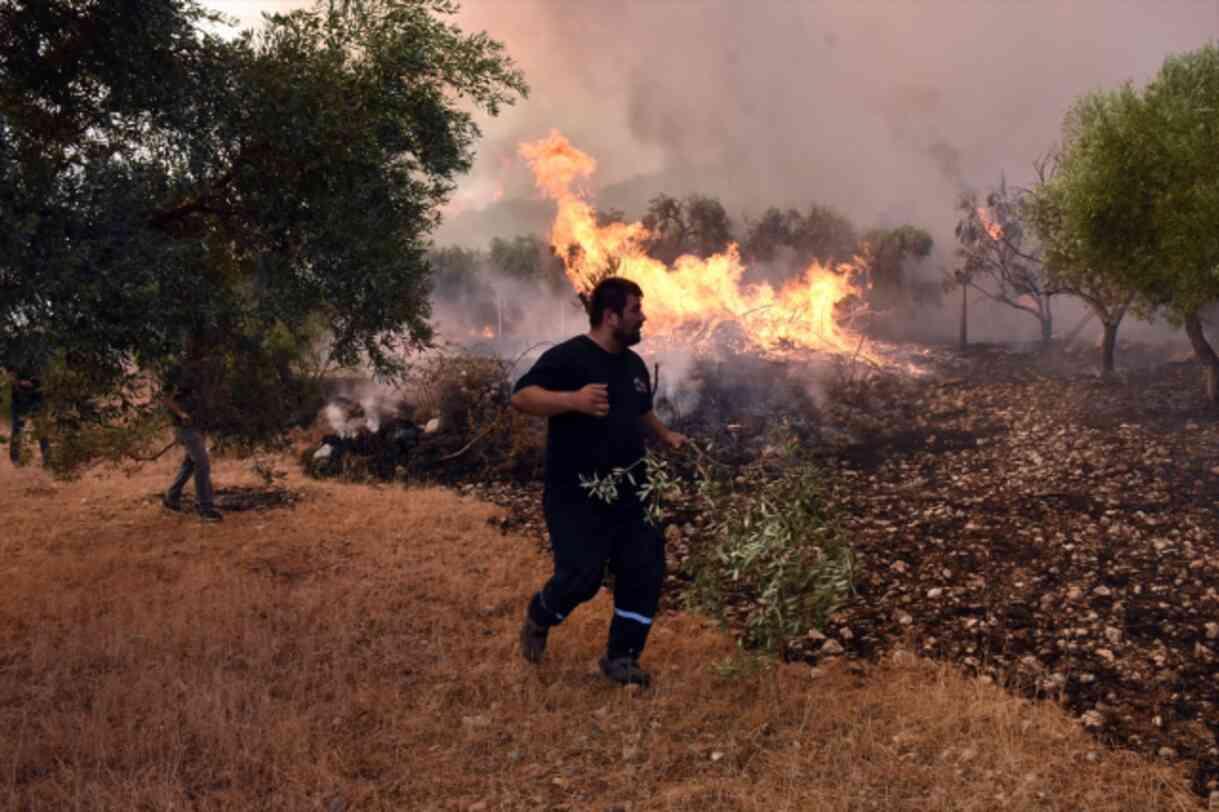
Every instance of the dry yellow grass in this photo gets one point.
(359, 652)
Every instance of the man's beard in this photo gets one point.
(628, 339)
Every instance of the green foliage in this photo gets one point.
(650, 475)
(166, 191)
(82, 428)
(1136, 194)
(474, 281)
(889, 251)
(773, 549)
(1133, 209)
(698, 225)
(528, 258)
(778, 554)
(822, 234)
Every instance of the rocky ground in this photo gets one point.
(1014, 514)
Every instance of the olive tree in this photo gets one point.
(1136, 195)
(171, 193)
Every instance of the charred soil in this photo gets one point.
(1015, 515)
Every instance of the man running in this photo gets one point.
(597, 396)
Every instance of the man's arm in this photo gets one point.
(174, 407)
(593, 400)
(673, 439)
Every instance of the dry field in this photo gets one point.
(357, 651)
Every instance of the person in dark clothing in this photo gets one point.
(25, 395)
(184, 399)
(24, 358)
(597, 396)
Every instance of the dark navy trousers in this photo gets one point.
(585, 539)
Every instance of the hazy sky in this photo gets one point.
(882, 108)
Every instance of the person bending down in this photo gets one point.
(597, 397)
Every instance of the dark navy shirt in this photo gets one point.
(580, 444)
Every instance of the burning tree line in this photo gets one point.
(774, 248)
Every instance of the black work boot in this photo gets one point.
(533, 639)
(173, 503)
(210, 514)
(625, 671)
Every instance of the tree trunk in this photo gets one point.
(1047, 324)
(1108, 348)
(1206, 354)
(964, 318)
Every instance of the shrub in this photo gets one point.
(775, 554)
(481, 435)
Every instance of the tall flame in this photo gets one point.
(693, 291)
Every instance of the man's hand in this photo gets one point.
(674, 439)
(593, 399)
(23, 383)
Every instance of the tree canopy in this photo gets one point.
(1001, 257)
(822, 234)
(165, 191)
(890, 250)
(1136, 195)
(698, 225)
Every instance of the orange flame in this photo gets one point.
(992, 228)
(694, 291)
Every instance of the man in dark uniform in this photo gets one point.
(597, 396)
(184, 399)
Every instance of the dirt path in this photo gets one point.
(357, 651)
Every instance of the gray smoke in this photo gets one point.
(883, 109)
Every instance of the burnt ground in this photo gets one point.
(1017, 516)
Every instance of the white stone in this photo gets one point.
(832, 648)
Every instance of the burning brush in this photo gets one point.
(694, 296)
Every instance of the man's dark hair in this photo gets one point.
(610, 294)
